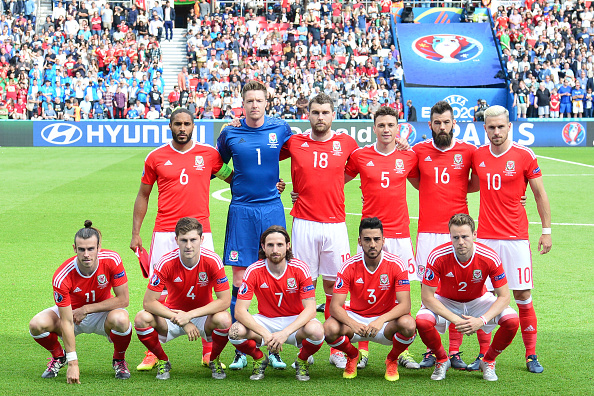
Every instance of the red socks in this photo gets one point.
(508, 326)
(50, 342)
(308, 348)
(399, 345)
(150, 338)
(120, 342)
(528, 325)
(206, 347)
(484, 340)
(431, 338)
(343, 344)
(249, 347)
(220, 337)
(455, 340)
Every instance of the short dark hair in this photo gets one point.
(180, 110)
(253, 86)
(187, 224)
(88, 232)
(460, 219)
(371, 223)
(321, 99)
(385, 111)
(272, 230)
(440, 108)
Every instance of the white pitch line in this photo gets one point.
(575, 174)
(567, 162)
(219, 196)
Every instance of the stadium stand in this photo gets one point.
(92, 59)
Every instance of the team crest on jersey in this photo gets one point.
(272, 140)
(202, 278)
(458, 161)
(199, 162)
(384, 282)
(102, 281)
(336, 149)
(477, 276)
(292, 284)
(58, 297)
(399, 166)
(421, 271)
(510, 168)
(234, 256)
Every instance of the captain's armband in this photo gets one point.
(224, 172)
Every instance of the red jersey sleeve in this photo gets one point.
(219, 278)
(431, 277)
(157, 282)
(246, 290)
(118, 273)
(217, 161)
(414, 172)
(352, 166)
(343, 279)
(285, 151)
(149, 173)
(532, 170)
(306, 287)
(62, 295)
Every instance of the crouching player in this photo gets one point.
(189, 273)
(84, 304)
(380, 302)
(286, 306)
(454, 292)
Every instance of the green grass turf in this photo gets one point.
(46, 194)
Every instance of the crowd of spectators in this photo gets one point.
(91, 59)
(548, 51)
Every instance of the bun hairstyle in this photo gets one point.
(88, 232)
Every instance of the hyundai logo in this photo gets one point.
(61, 133)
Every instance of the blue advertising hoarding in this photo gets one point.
(530, 134)
(449, 55)
(112, 133)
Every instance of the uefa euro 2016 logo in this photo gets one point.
(573, 133)
(408, 131)
(447, 48)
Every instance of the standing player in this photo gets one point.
(319, 232)
(254, 147)
(84, 304)
(504, 169)
(380, 302)
(286, 306)
(384, 170)
(182, 170)
(190, 273)
(444, 171)
(454, 292)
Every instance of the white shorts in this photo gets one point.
(401, 247)
(578, 106)
(322, 246)
(426, 242)
(274, 325)
(174, 331)
(93, 323)
(164, 242)
(476, 308)
(517, 262)
(380, 338)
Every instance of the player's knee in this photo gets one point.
(118, 320)
(142, 319)
(35, 326)
(510, 322)
(331, 329)
(237, 331)
(407, 326)
(522, 295)
(314, 330)
(222, 320)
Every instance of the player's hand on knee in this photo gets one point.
(78, 315)
(192, 331)
(73, 373)
(360, 329)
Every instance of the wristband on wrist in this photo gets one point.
(546, 231)
(71, 356)
(484, 320)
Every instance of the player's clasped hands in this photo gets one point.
(181, 318)
(469, 325)
(276, 341)
(192, 331)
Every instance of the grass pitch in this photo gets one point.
(47, 193)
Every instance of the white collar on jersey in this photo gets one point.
(281, 275)
(469, 260)
(376, 268)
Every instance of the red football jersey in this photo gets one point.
(183, 180)
(383, 184)
(75, 289)
(277, 297)
(443, 183)
(372, 294)
(503, 181)
(317, 171)
(463, 282)
(189, 288)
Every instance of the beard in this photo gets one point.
(177, 140)
(443, 140)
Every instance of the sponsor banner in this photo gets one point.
(114, 133)
(16, 133)
(440, 15)
(462, 100)
(450, 55)
(534, 134)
